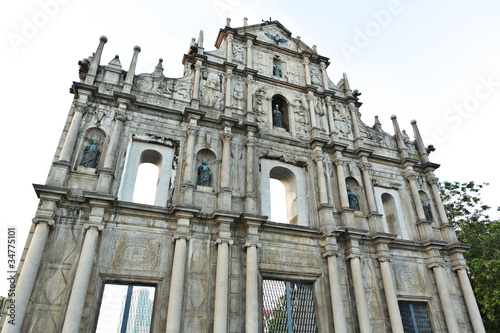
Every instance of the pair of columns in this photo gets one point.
(175, 302)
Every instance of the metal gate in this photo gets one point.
(415, 317)
(288, 307)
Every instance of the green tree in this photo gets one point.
(466, 211)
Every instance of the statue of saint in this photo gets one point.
(91, 156)
(277, 70)
(353, 199)
(427, 210)
(277, 118)
(204, 174)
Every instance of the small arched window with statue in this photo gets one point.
(280, 113)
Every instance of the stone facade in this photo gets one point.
(207, 248)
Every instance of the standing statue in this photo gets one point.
(277, 118)
(353, 199)
(427, 210)
(91, 156)
(204, 174)
(277, 70)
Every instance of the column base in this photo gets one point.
(195, 104)
(251, 204)
(225, 199)
(325, 213)
(425, 229)
(187, 194)
(105, 181)
(375, 223)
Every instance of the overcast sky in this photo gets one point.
(433, 61)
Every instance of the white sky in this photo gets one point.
(421, 62)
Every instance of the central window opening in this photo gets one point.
(288, 307)
(126, 308)
(284, 200)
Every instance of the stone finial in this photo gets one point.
(228, 22)
(245, 21)
(200, 39)
(399, 137)
(377, 125)
(424, 152)
(158, 72)
(127, 86)
(315, 49)
(94, 65)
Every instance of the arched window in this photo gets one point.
(146, 183)
(148, 165)
(280, 112)
(391, 214)
(289, 181)
(278, 201)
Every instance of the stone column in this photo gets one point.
(444, 296)
(339, 162)
(196, 84)
(331, 121)
(106, 174)
(250, 199)
(331, 252)
(227, 108)
(188, 169)
(225, 195)
(325, 77)
(450, 235)
(359, 293)
(74, 128)
(310, 98)
(305, 61)
(411, 177)
(249, 53)
(470, 300)
(27, 277)
(365, 168)
(174, 312)
(318, 158)
(249, 93)
(390, 296)
(222, 276)
(81, 282)
(358, 140)
(251, 295)
(229, 54)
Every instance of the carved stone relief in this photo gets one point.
(408, 278)
(212, 94)
(261, 62)
(315, 75)
(287, 257)
(183, 88)
(238, 54)
(301, 122)
(135, 253)
(260, 106)
(238, 96)
(343, 125)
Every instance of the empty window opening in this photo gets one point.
(415, 317)
(278, 201)
(289, 182)
(126, 308)
(146, 184)
(391, 214)
(288, 307)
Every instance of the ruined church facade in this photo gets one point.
(365, 245)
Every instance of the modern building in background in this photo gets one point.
(365, 247)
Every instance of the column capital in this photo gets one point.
(120, 116)
(81, 107)
(431, 179)
(250, 244)
(322, 65)
(384, 259)
(198, 65)
(410, 174)
(99, 227)
(460, 266)
(339, 161)
(352, 108)
(192, 129)
(219, 241)
(329, 100)
(249, 41)
(229, 72)
(230, 37)
(50, 222)
(305, 60)
(354, 256)
(181, 235)
(226, 136)
(249, 79)
(318, 156)
(365, 166)
(435, 263)
(310, 95)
